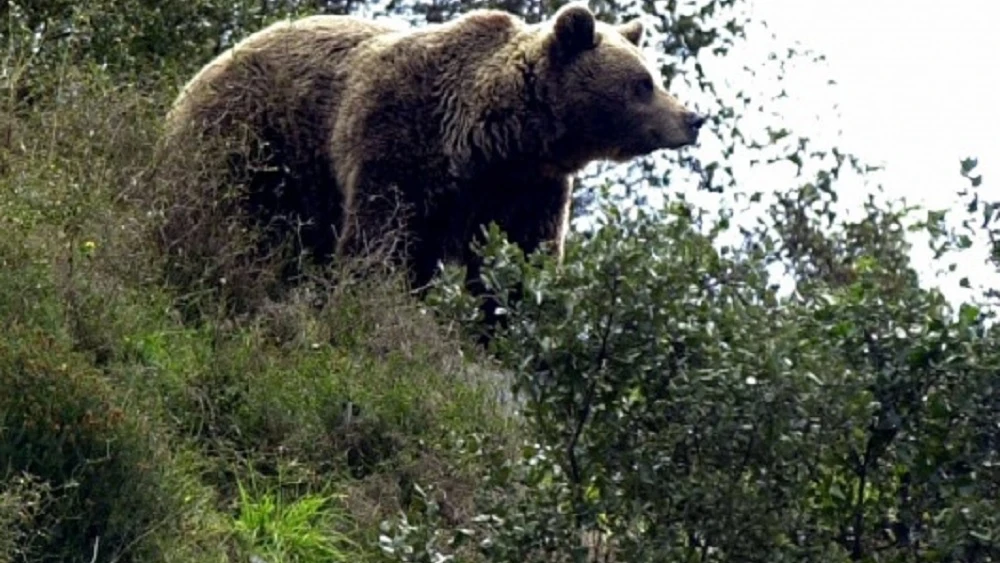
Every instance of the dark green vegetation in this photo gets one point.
(689, 412)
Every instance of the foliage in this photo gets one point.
(21, 499)
(684, 410)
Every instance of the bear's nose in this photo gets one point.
(694, 121)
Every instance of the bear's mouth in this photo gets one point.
(673, 140)
(691, 141)
(648, 145)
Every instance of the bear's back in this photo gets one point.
(283, 73)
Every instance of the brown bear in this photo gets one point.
(448, 127)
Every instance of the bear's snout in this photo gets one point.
(694, 121)
(669, 125)
(674, 130)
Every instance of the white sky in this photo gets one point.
(917, 82)
(916, 88)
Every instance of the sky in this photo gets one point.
(916, 82)
(916, 90)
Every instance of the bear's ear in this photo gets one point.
(575, 29)
(632, 31)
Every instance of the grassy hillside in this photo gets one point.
(132, 432)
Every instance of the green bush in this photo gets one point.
(679, 409)
(111, 473)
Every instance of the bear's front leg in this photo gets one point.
(533, 211)
(399, 220)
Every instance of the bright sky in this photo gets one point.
(917, 81)
(917, 90)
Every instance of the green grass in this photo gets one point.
(306, 528)
(135, 427)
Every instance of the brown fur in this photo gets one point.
(481, 119)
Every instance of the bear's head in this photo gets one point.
(609, 99)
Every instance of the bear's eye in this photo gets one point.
(643, 87)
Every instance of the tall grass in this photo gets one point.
(138, 403)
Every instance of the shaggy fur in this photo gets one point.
(449, 127)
